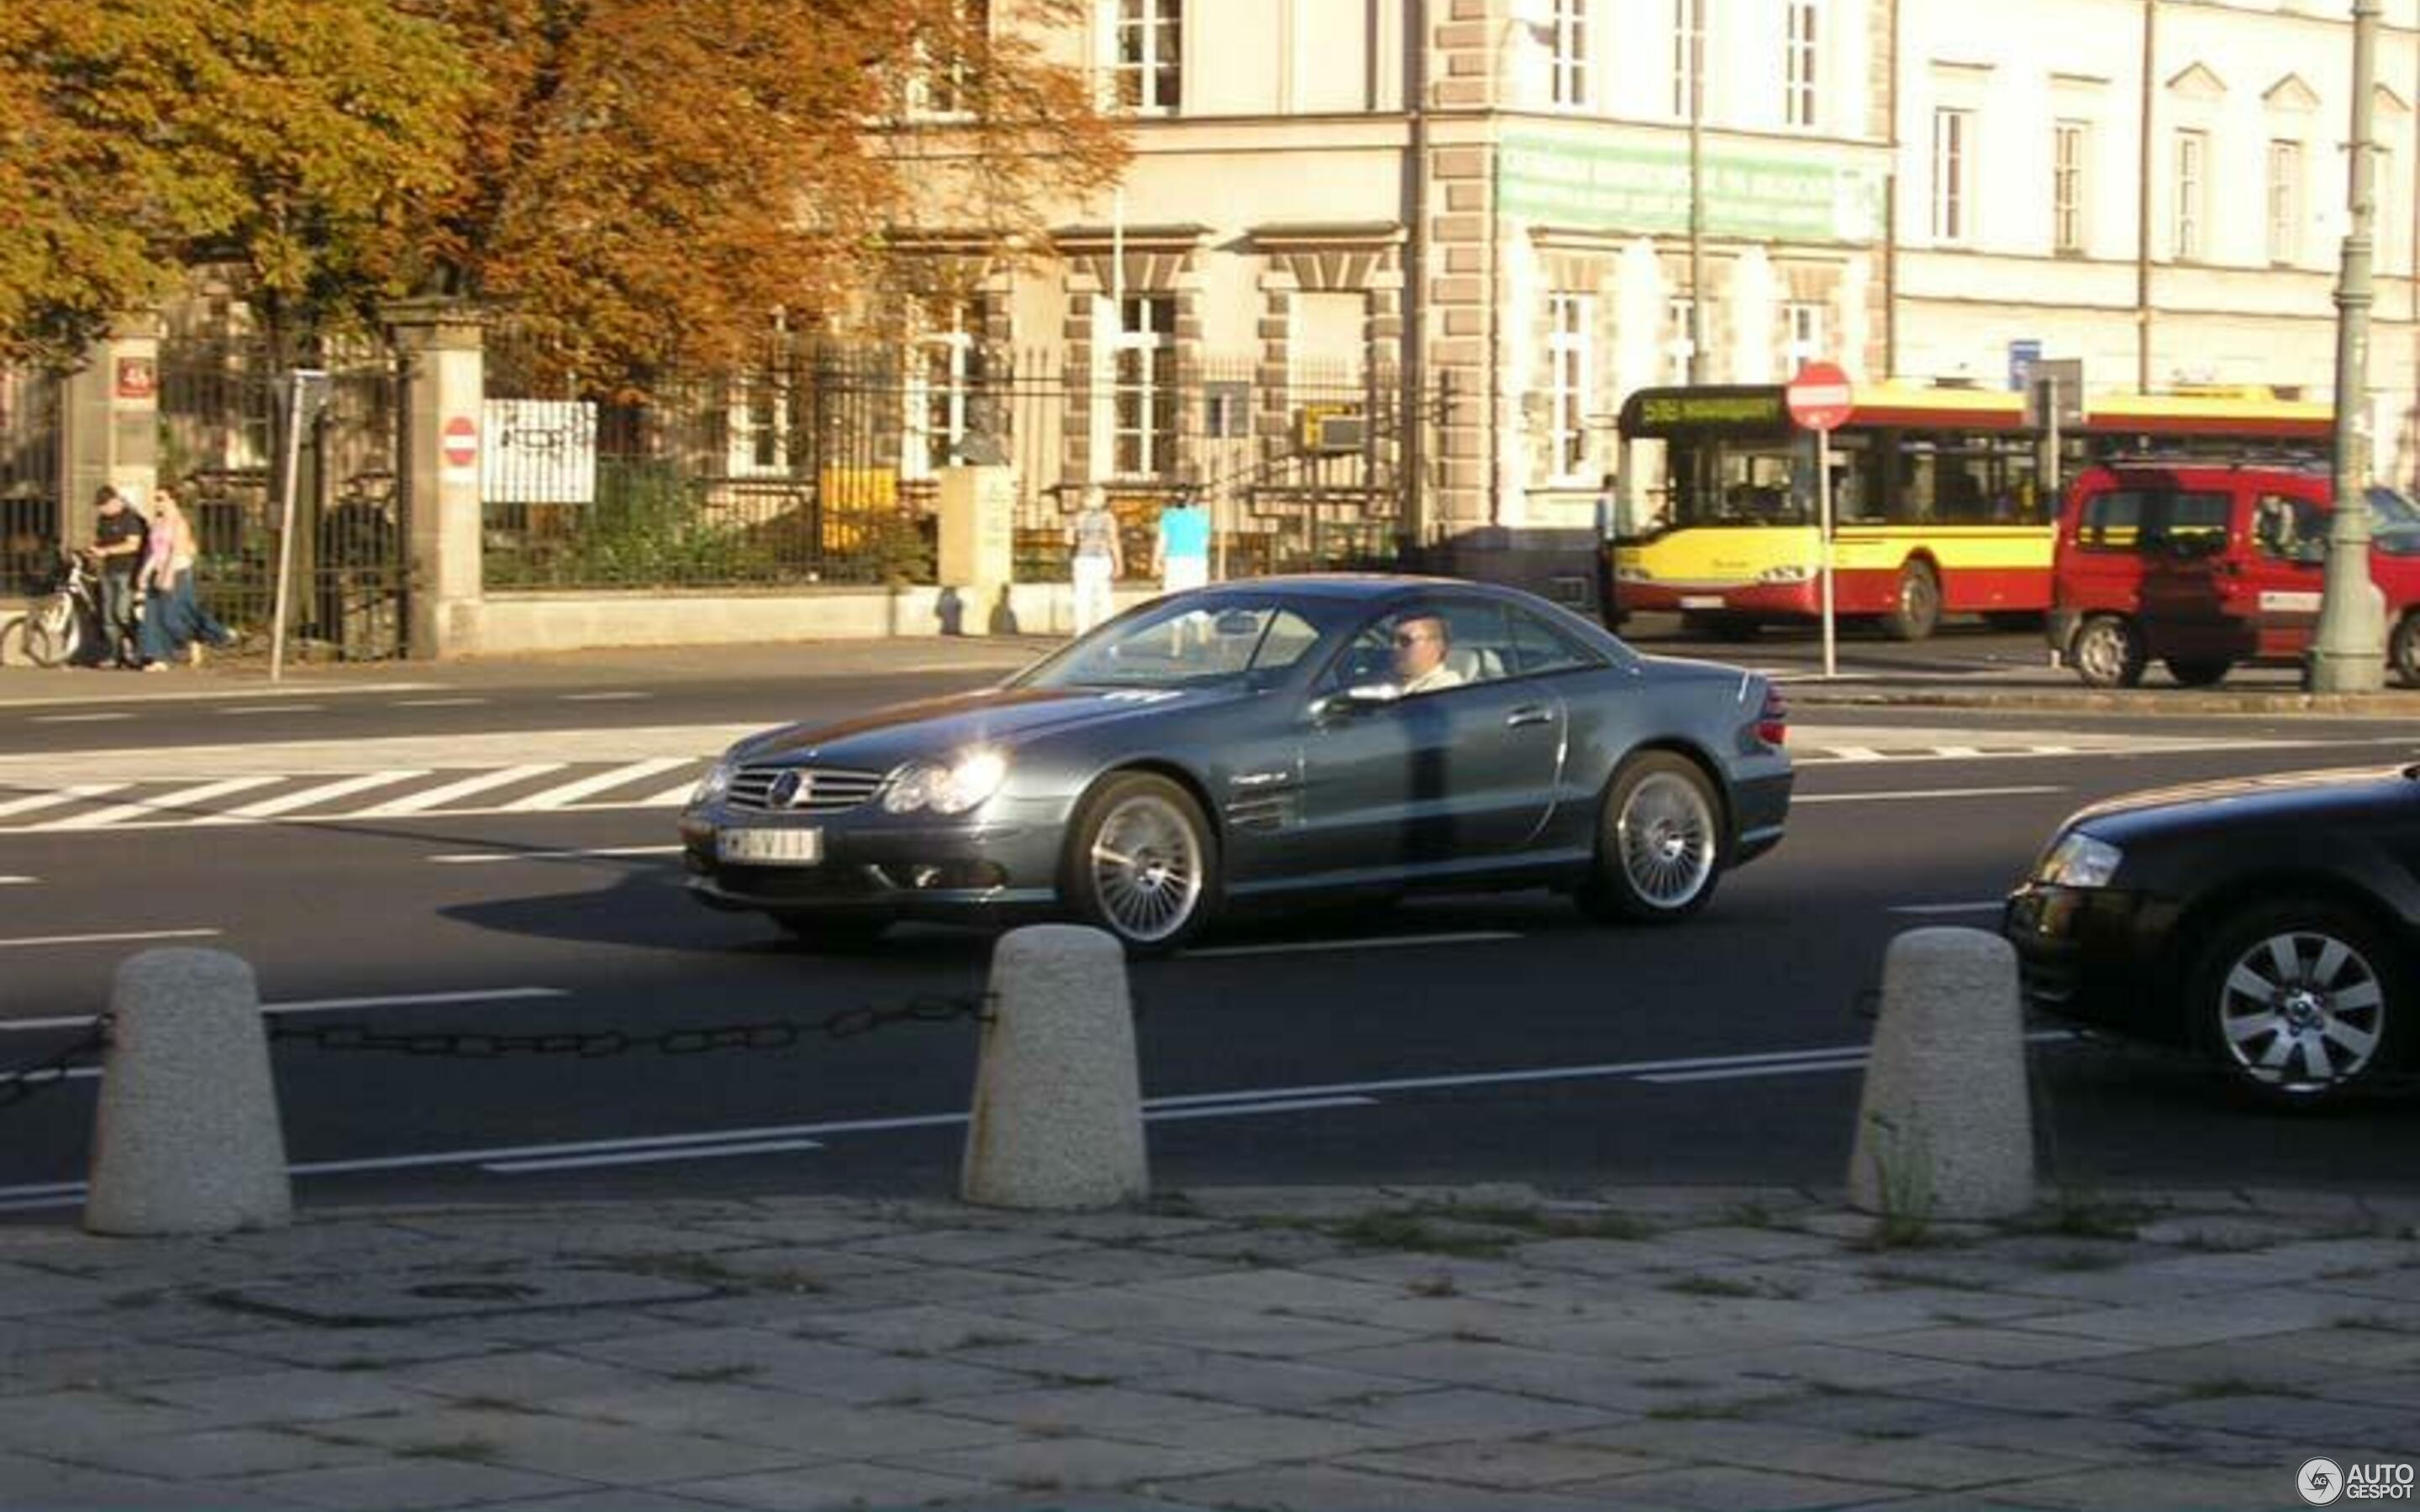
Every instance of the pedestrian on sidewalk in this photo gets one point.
(173, 615)
(1181, 552)
(1098, 561)
(121, 540)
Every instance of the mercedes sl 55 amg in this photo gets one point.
(1269, 738)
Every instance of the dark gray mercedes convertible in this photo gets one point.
(1277, 736)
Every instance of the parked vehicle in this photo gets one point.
(1256, 740)
(2265, 924)
(2208, 567)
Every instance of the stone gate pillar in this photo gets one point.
(442, 342)
(109, 423)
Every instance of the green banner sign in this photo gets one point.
(1646, 188)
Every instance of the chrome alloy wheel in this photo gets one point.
(1146, 868)
(2302, 1011)
(1666, 838)
(2104, 653)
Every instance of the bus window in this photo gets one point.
(1711, 482)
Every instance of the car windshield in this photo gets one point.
(2395, 522)
(1251, 642)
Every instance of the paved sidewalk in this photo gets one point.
(1474, 1350)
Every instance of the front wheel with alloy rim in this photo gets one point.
(1659, 848)
(2107, 653)
(1141, 863)
(2296, 1002)
(1916, 607)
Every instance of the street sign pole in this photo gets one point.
(1820, 399)
(305, 388)
(1824, 529)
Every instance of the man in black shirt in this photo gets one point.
(119, 538)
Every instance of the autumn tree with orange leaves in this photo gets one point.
(640, 181)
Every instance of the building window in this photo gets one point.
(1953, 163)
(1570, 320)
(1151, 52)
(756, 422)
(1803, 334)
(944, 84)
(1688, 59)
(944, 403)
(1800, 64)
(2191, 185)
(1144, 368)
(1681, 319)
(2285, 202)
(2071, 146)
(1571, 81)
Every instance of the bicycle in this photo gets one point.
(62, 623)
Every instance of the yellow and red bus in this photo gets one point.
(1939, 504)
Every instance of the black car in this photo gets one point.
(1280, 737)
(2266, 923)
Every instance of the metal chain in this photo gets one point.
(776, 1034)
(36, 1077)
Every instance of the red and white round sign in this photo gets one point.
(1819, 397)
(461, 441)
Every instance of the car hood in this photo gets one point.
(2287, 799)
(987, 716)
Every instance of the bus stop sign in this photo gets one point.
(1819, 396)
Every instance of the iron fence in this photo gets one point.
(821, 463)
(29, 481)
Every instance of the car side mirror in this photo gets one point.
(1358, 700)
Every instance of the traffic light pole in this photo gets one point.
(2348, 652)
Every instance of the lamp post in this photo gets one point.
(1696, 83)
(2348, 653)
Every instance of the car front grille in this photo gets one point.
(822, 790)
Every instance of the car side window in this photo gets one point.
(2112, 521)
(1428, 648)
(2187, 524)
(1539, 648)
(2289, 529)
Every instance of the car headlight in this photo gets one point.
(1633, 575)
(715, 784)
(1784, 575)
(947, 790)
(2078, 860)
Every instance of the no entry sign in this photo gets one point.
(460, 441)
(1819, 396)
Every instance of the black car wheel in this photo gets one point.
(1915, 608)
(2199, 671)
(1141, 863)
(1659, 848)
(2107, 653)
(2403, 650)
(2296, 1002)
(839, 932)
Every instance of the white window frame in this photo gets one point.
(2189, 192)
(1150, 81)
(1803, 324)
(1688, 61)
(1953, 175)
(757, 425)
(1570, 79)
(1802, 64)
(944, 382)
(2071, 186)
(1680, 316)
(1142, 364)
(938, 92)
(2284, 201)
(1571, 383)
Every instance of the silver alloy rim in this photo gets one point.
(1667, 838)
(1915, 595)
(2100, 651)
(1146, 865)
(2301, 1011)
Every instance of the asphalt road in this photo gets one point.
(1448, 1039)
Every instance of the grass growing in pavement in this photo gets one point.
(1725, 1285)
(2078, 1215)
(1409, 1231)
(468, 1451)
(2079, 1260)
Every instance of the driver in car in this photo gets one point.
(1421, 646)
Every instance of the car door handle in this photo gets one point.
(1530, 714)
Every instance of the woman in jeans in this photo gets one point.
(171, 615)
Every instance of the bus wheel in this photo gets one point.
(2403, 649)
(1915, 609)
(2107, 653)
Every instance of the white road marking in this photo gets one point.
(605, 698)
(1238, 1110)
(641, 1157)
(570, 793)
(1853, 753)
(28, 941)
(1992, 907)
(309, 797)
(1797, 1069)
(78, 718)
(1918, 794)
(166, 803)
(19, 882)
(222, 694)
(275, 708)
(1967, 752)
(672, 798)
(609, 852)
(336, 1004)
(484, 781)
(71, 1073)
(57, 797)
(1380, 943)
(438, 704)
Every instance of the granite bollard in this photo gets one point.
(1945, 1129)
(187, 1138)
(1057, 1101)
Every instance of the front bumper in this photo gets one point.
(996, 862)
(2097, 956)
(1766, 600)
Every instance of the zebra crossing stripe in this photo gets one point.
(53, 800)
(167, 804)
(324, 793)
(568, 793)
(483, 783)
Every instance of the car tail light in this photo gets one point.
(1773, 720)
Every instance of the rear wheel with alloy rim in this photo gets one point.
(53, 633)
(1659, 843)
(2296, 1002)
(1141, 863)
(2107, 653)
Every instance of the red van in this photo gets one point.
(2205, 566)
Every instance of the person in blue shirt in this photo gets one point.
(1182, 552)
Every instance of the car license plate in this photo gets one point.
(770, 847)
(1702, 601)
